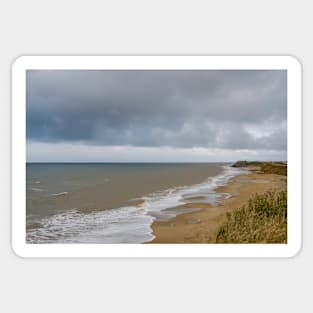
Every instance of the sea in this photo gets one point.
(114, 202)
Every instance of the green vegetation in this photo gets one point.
(247, 163)
(264, 220)
(279, 168)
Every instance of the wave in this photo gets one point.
(203, 192)
(63, 193)
(37, 189)
(131, 224)
(123, 225)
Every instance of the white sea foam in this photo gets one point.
(63, 193)
(123, 225)
(170, 198)
(130, 224)
(37, 189)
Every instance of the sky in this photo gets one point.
(156, 115)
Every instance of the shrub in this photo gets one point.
(263, 220)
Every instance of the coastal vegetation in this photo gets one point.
(262, 220)
(246, 163)
(255, 213)
(279, 168)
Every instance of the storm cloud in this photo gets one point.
(177, 109)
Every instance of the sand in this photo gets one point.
(201, 226)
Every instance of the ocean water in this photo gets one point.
(113, 203)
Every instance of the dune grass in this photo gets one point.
(275, 168)
(263, 220)
(279, 168)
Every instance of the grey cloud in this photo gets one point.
(158, 108)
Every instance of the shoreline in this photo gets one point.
(131, 222)
(201, 225)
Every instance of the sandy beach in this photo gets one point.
(201, 226)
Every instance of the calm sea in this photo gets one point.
(113, 202)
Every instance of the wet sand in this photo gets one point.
(201, 226)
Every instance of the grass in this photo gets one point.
(275, 168)
(263, 220)
(279, 168)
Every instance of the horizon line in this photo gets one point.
(146, 162)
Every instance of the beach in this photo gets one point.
(140, 203)
(112, 202)
(201, 225)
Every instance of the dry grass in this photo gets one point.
(275, 168)
(263, 220)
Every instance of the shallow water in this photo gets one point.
(113, 203)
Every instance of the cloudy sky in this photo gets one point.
(156, 115)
